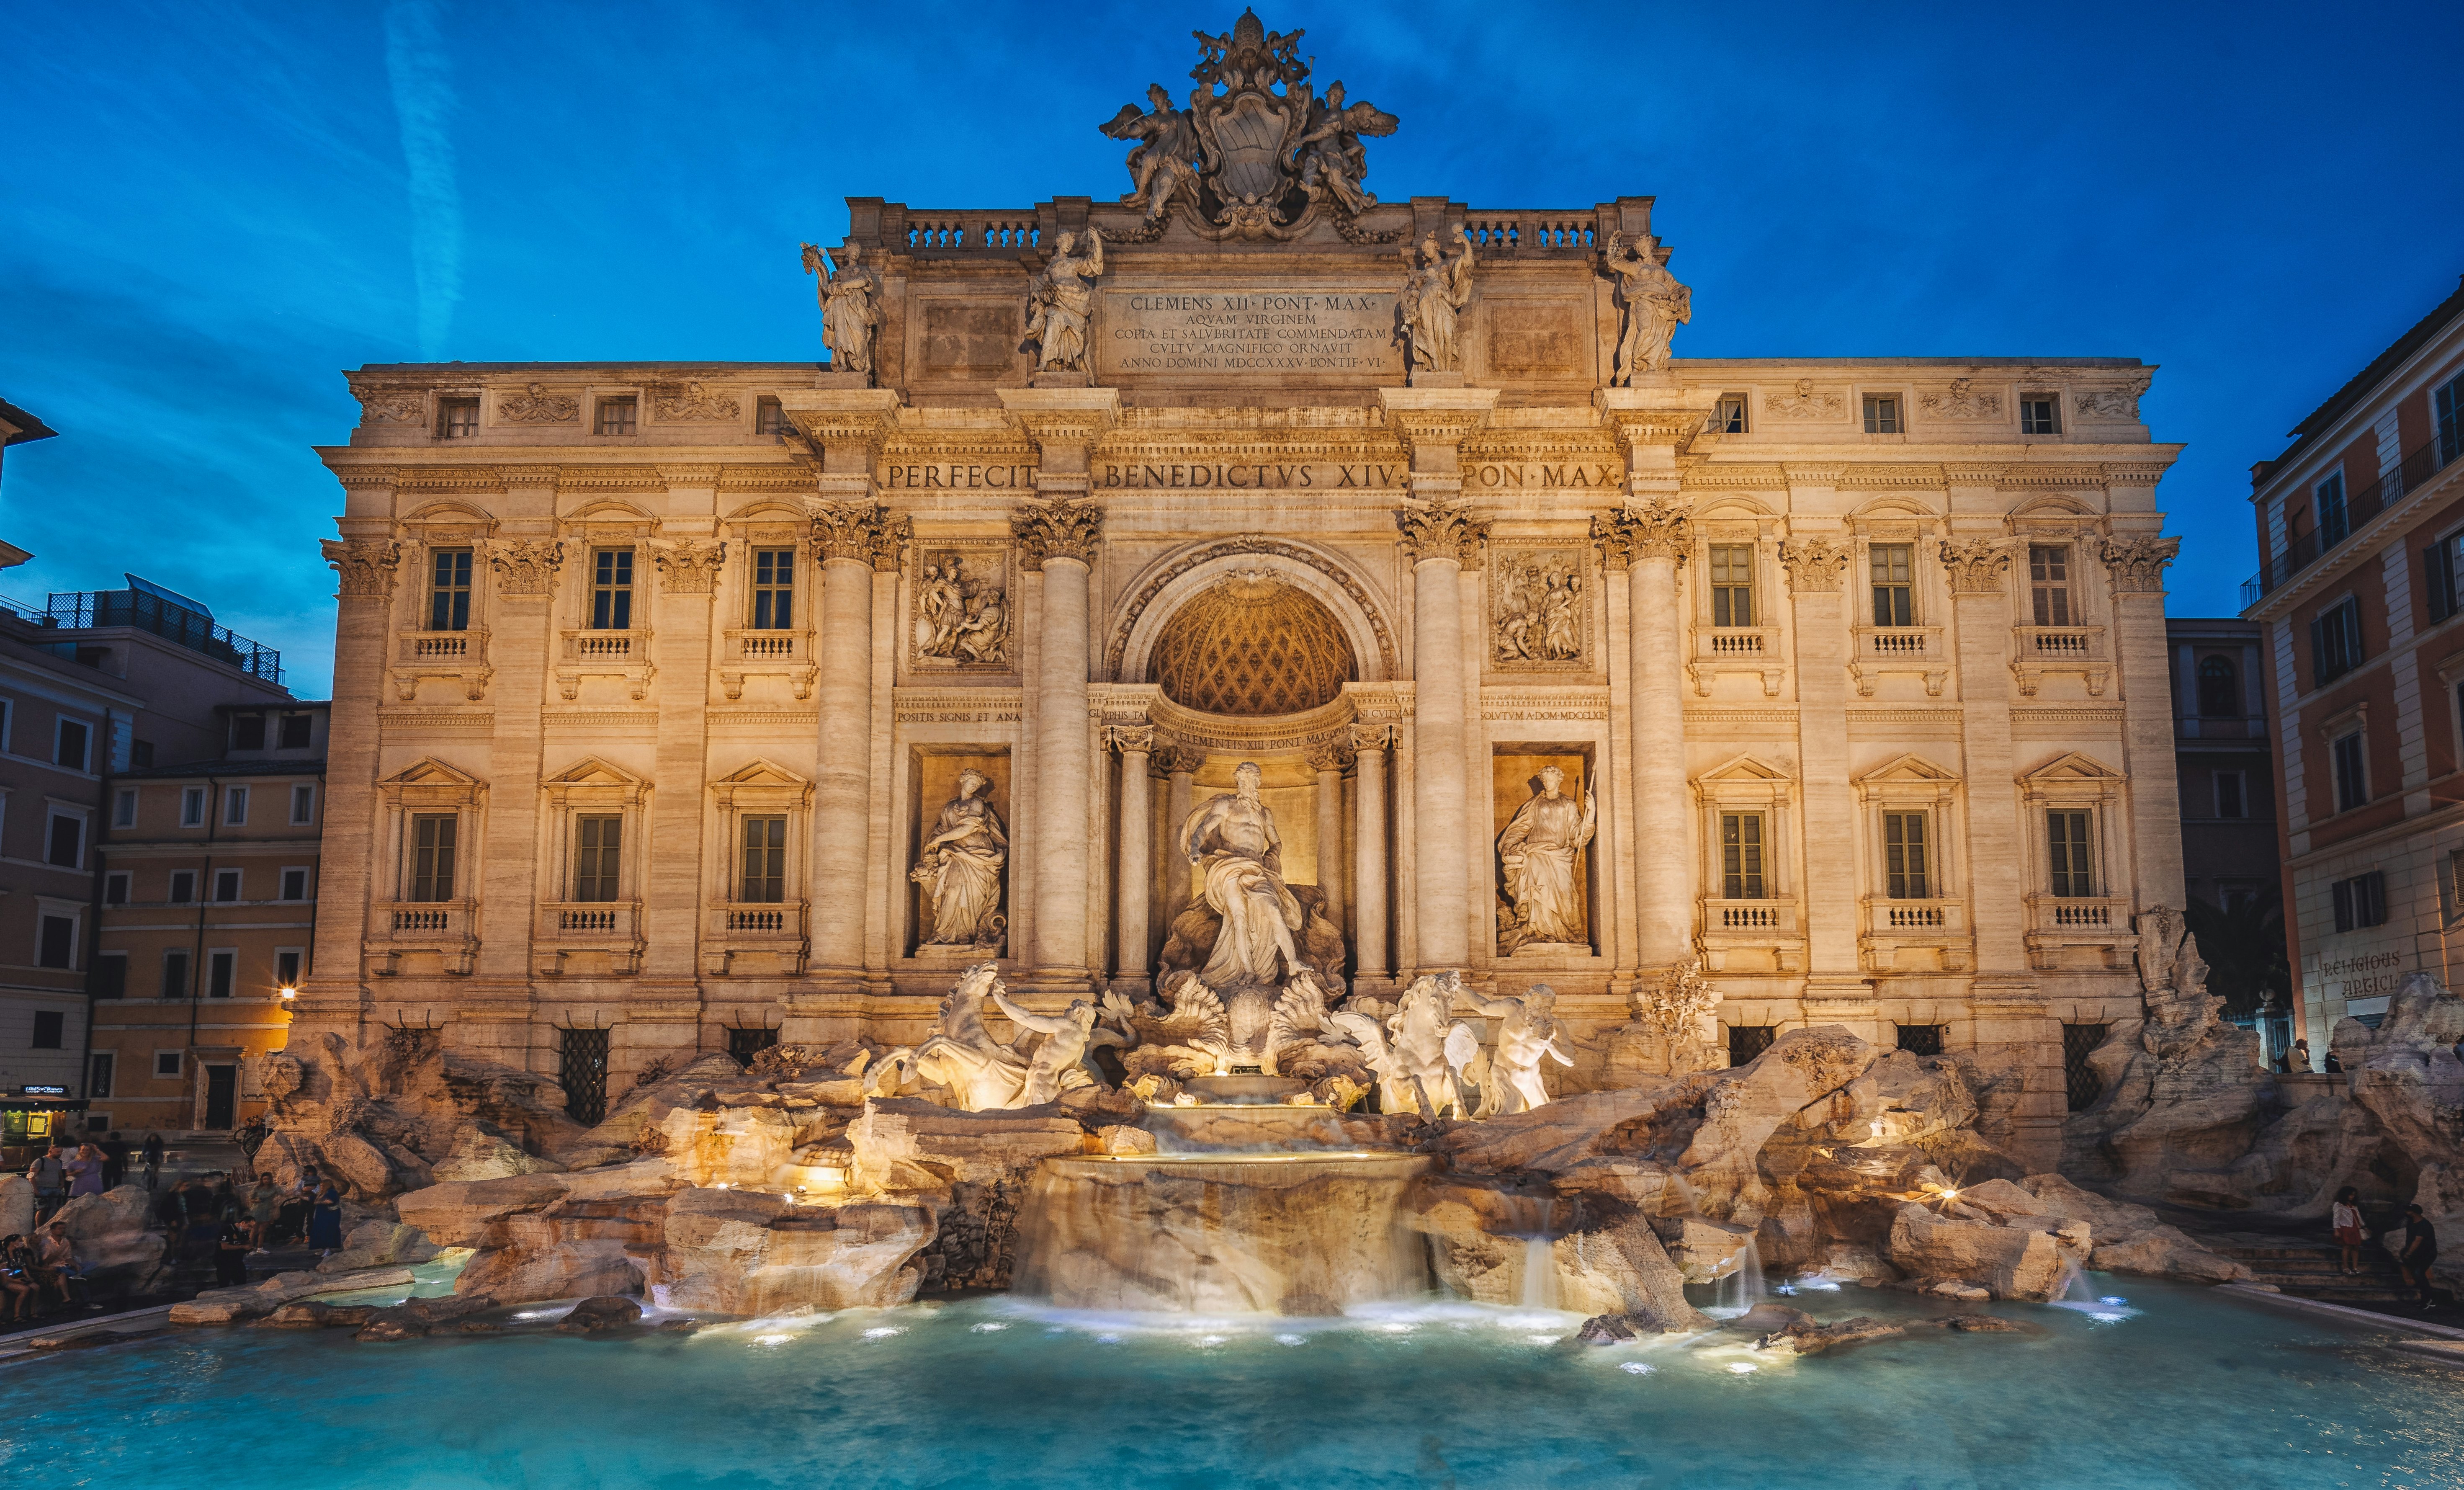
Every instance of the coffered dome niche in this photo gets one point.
(1253, 644)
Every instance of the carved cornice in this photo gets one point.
(1655, 530)
(2137, 564)
(525, 566)
(2039, 477)
(529, 475)
(1802, 473)
(689, 476)
(866, 531)
(368, 475)
(610, 479)
(1062, 417)
(1969, 473)
(2131, 473)
(1703, 474)
(1891, 477)
(857, 418)
(1976, 564)
(367, 567)
(1814, 565)
(450, 479)
(765, 479)
(1637, 428)
(690, 566)
(1059, 530)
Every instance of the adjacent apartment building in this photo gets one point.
(2361, 529)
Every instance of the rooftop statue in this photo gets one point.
(850, 311)
(1656, 305)
(1164, 167)
(1060, 300)
(1434, 289)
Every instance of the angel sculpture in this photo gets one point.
(1655, 306)
(1435, 291)
(850, 317)
(1165, 163)
(1528, 1034)
(1429, 1054)
(1329, 155)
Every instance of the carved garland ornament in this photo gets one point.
(1976, 564)
(524, 566)
(1655, 530)
(367, 567)
(1814, 565)
(537, 406)
(1442, 530)
(693, 403)
(1959, 402)
(389, 405)
(2118, 404)
(1806, 404)
(1056, 529)
(866, 531)
(2137, 564)
(690, 566)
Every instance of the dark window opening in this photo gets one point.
(49, 1026)
(431, 856)
(1920, 1039)
(297, 730)
(765, 860)
(582, 1071)
(222, 973)
(1746, 1041)
(2066, 837)
(248, 731)
(73, 740)
(2219, 688)
(2079, 1079)
(597, 851)
(68, 839)
(55, 944)
(2359, 902)
(2040, 413)
(111, 980)
(2352, 776)
(448, 591)
(175, 975)
(745, 1044)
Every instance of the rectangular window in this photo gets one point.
(2081, 1082)
(2359, 902)
(303, 806)
(616, 415)
(175, 977)
(294, 884)
(745, 1044)
(2336, 642)
(1881, 414)
(140, 754)
(611, 590)
(1741, 855)
(774, 589)
(2352, 779)
(448, 591)
(1920, 1039)
(765, 860)
(457, 419)
(1905, 871)
(2233, 798)
(768, 418)
(124, 808)
(2441, 562)
(166, 1064)
(286, 967)
(234, 807)
(111, 980)
(431, 855)
(184, 886)
(248, 731)
(72, 745)
(97, 1078)
(50, 1024)
(1893, 584)
(193, 806)
(222, 970)
(597, 854)
(2040, 413)
(2074, 876)
(1732, 583)
(1732, 417)
(2329, 498)
(67, 845)
(115, 887)
(55, 944)
(298, 731)
(225, 885)
(2049, 583)
(2448, 405)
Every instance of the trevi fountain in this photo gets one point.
(1340, 900)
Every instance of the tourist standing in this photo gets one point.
(49, 1172)
(85, 1171)
(153, 1159)
(325, 1219)
(2420, 1250)
(261, 1204)
(2346, 1219)
(231, 1255)
(114, 1161)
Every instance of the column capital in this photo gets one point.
(1654, 530)
(2138, 563)
(1814, 565)
(1371, 737)
(1130, 738)
(1056, 529)
(1174, 759)
(1330, 755)
(1436, 415)
(525, 566)
(1442, 530)
(1071, 417)
(863, 530)
(367, 566)
(690, 566)
(1976, 564)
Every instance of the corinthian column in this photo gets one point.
(1442, 541)
(365, 565)
(1649, 540)
(851, 537)
(1369, 854)
(1180, 765)
(1136, 879)
(2137, 563)
(1327, 761)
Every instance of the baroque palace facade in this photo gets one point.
(683, 707)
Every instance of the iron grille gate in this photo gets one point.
(2078, 1078)
(1920, 1039)
(1746, 1041)
(585, 1075)
(745, 1044)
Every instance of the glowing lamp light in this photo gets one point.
(1742, 1367)
(288, 992)
(1951, 1194)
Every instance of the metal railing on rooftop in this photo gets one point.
(92, 608)
(2330, 528)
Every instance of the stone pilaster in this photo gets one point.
(2137, 563)
(1817, 563)
(332, 996)
(523, 569)
(1179, 767)
(1327, 761)
(1369, 853)
(1978, 572)
(1136, 843)
(1059, 537)
(672, 875)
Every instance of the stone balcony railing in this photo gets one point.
(1758, 650)
(461, 655)
(587, 936)
(596, 646)
(2038, 649)
(2078, 931)
(1753, 936)
(744, 653)
(1923, 936)
(1898, 649)
(754, 937)
(444, 927)
(605, 654)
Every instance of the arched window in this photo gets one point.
(2219, 687)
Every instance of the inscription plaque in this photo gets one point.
(1209, 334)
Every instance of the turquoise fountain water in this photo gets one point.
(2184, 1388)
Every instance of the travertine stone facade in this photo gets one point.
(1840, 753)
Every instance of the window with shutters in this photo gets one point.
(2346, 760)
(1906, 872)
(193, 806)
(1881, 414)
(765, 860)
(457, 419)
(448, 591)
(774, 589)
(2441, 562)
(1732, 583)
(433, 837)
(2049, 583)
(1741, 857)
(2336, 641)
(2328, 499)
(1892, 566)
(2361, 902)
(2219, 688)
(611, 590)
(598, 849)
(303, 806)
(2071, 866)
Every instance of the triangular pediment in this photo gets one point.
(592, 771)
(2072, 766)
(1744, 767)
(762, 773)
(430, 771)
(1906, 768)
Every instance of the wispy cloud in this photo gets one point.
(421, 81)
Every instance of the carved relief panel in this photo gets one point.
(1539, 609)
(961, 607)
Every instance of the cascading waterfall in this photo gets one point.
(1741, 1288)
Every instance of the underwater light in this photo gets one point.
(883, 1332)
(771, 1340)
(1638, 1369)
(1742, 1367)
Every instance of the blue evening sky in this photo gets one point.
(210, 209)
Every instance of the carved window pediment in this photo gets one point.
(762, 783)
(1908, 777)
(594, 782)
(429, 782)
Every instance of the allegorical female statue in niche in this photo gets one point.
(1537, 850)
(850, 317)
(960, 868)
